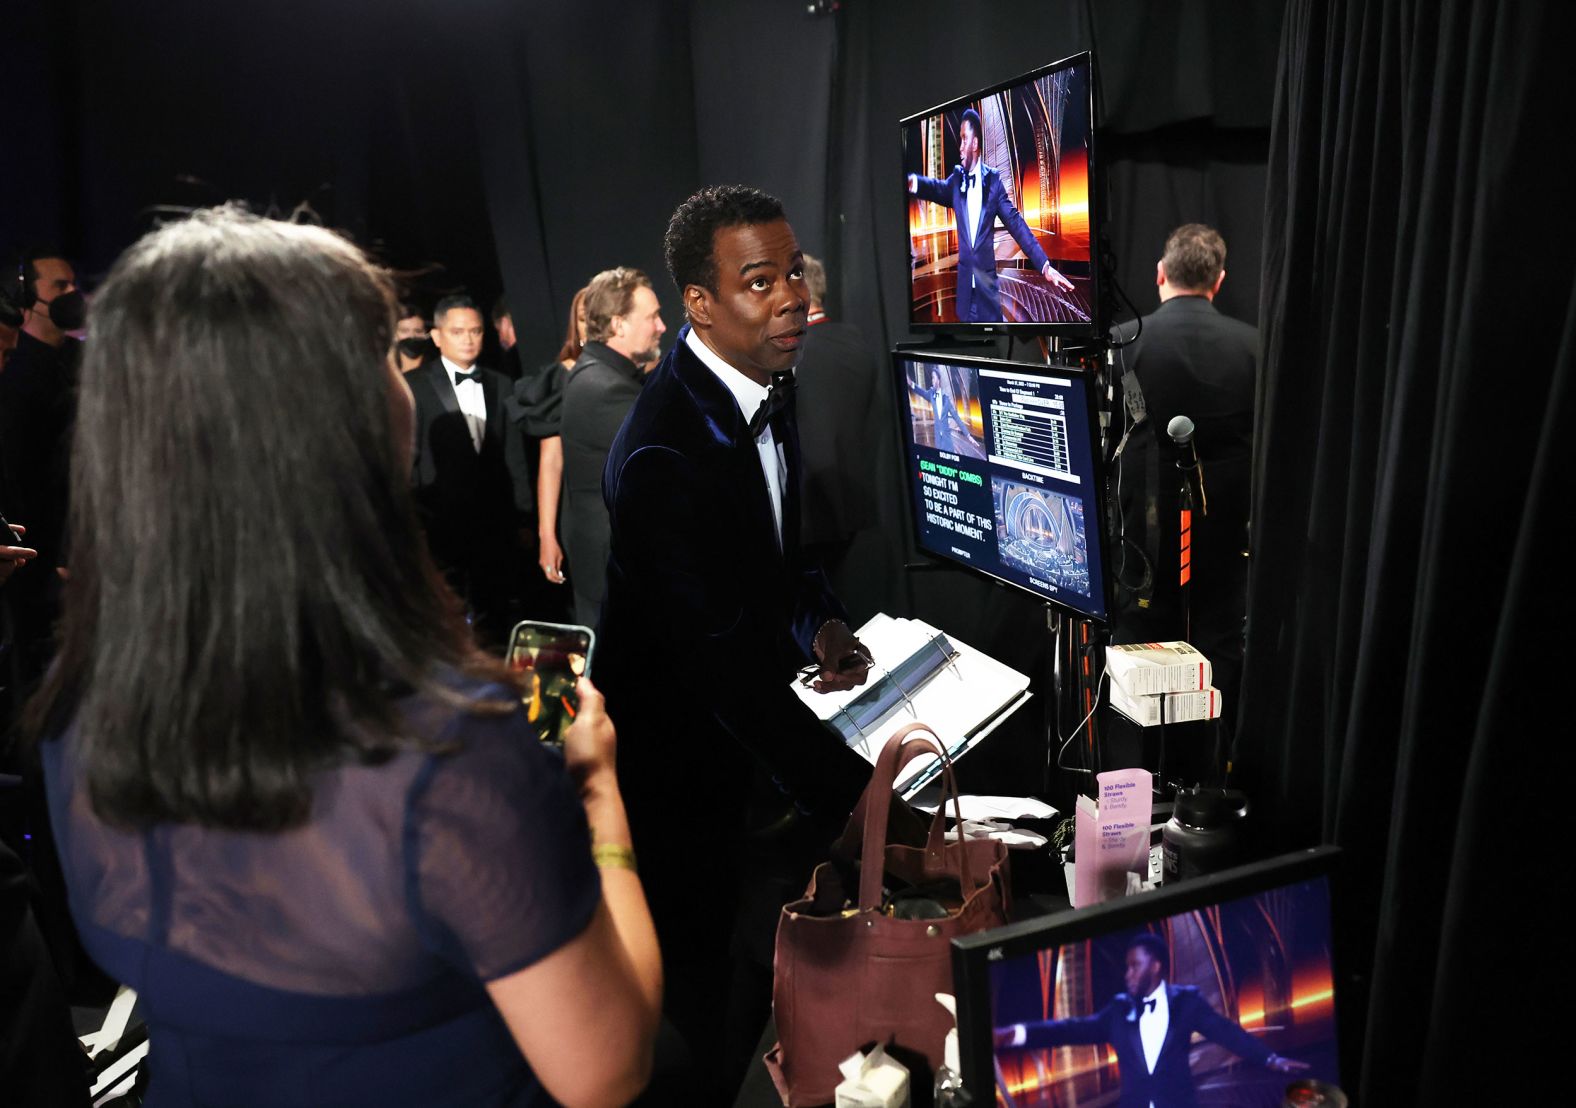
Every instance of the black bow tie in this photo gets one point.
(777, 398)
(967, 179)
(461, 376)
(1146, 1005)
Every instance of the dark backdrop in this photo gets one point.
(1417, 305)
(526, 146)
(1419, 308)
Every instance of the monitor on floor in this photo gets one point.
(1220, 990)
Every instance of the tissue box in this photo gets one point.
(872, 1081)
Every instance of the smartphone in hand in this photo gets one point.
(552, 657)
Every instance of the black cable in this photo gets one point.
(1117, 285)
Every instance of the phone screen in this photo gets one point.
(552, 657)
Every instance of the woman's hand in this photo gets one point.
(591, 744)
(550, 556)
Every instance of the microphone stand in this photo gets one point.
(1181, 430)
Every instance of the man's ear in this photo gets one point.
(1214, 292)
(697, 306)
(1160, 272)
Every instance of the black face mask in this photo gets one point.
(416, 347)
(68, 311)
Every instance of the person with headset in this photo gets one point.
(37, 410)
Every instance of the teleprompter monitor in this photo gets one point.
(1220, 990)
(1001, 207)
(1003, 473)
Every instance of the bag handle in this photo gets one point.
(877, 805)
(852, 838)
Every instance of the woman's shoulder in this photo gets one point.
(475, 727)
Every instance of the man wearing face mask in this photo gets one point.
(37, 408)
(410, 338)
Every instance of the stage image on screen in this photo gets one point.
(999, 206)
(1042, 532)
(1003, 473)
(1244, 1005)
(944, 409)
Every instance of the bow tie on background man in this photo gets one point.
(461, 376)
(777, 398)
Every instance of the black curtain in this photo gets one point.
(1185, 91)
(1419, 333)
(585, 119)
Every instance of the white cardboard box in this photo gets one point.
(1148, 668)
(1176, 707)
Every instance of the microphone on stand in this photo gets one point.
(1181, 430)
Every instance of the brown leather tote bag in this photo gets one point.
(848, 974)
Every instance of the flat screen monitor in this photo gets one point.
(1239, 966)
(1003, 473)
(1001, 206)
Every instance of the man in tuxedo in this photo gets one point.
(1190, 360)
(978, 198)
(624, 329)
(733, 787)
(470, 476)
(508, 341)
(1151, 1028)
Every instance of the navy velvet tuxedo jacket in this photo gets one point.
(1171, 1083)
(978, 300)
(706, 620)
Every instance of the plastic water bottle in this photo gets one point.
(949, 1076)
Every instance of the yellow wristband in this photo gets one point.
(613, 856)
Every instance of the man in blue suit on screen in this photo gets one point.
(1151, 1028)
(978, 198)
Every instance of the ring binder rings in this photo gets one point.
(907, 685)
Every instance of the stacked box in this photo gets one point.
(1161, 682)
(1148, 668)
(1175, 707)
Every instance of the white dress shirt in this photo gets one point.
(748, 395)
(972, 200)
(473, 401)
(1152, 1025)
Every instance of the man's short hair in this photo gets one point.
(449, 304)
(610, 294)
(500, 309)
(22, 288)
(1154, 946)
(972, 118)
(692, 232)
(815, 278)
(1195, 255)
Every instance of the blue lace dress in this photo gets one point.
(342, 962)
